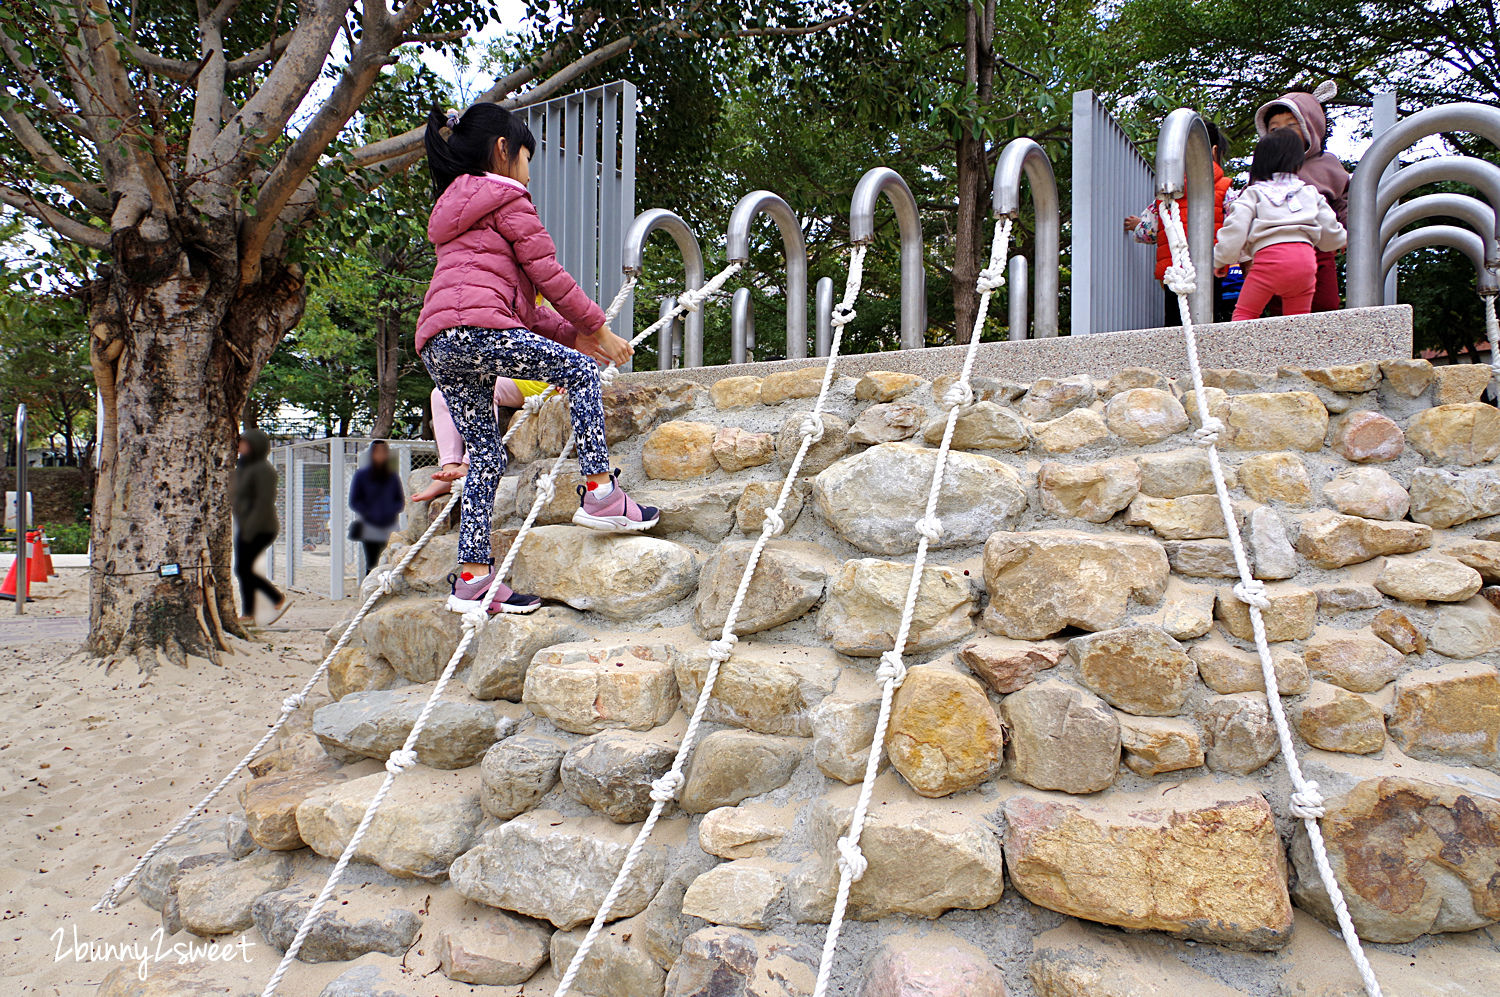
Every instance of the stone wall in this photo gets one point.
(1083, 744)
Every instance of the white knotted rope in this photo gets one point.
(1306, 801)
(474, 621)
(892, 670)
(664, 790)
(1492, 333)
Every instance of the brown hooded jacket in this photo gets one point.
(1322, 169)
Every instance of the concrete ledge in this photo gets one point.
(1321, 340)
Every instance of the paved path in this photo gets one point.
(22, 629)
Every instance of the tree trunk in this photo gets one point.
(974, 180)
(387, 369)
(176, 356)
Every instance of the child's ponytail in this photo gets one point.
(469, 146)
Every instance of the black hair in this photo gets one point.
(1216, 139)
(470, 145)
(1280, 151)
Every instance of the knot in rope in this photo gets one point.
(400, 760)
(842, 314)
(1207, 434)
(958, 395)
(664, 790)
(930, 527)
(1252, 593)
(774, 525)
(608, 374)
(852, 859)
(892, 669)
(109, 898)
(293, 703)
(546, 488)
(474, 620)
(990, 280)
(721, 649)
(1307, 802)
(535, 402)
(387, 584)
(690, 299)
(1181, 278)
(812, 427)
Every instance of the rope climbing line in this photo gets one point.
(664, 790)
(1306, 801)
(404, 757)
(892, 670)
(1492, 333)
(294, 702)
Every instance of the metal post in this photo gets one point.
(1470, 244)
(741, 326)
(1365, 277)
(823, 317)
(1383, 120)
(669, 339)
(338, 501)
(793, 245)
(1024, 155)
(21, 511)
(633, 262)
(403, 468)
(293, 531)
(1185, 158)
(1478, 215)
(1016, 280)
(883, 180)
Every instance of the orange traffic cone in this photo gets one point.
(8, 590)
(41, 556)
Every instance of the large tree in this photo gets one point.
(194, 145)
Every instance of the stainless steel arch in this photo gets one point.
(1016, 280)
(1185, 156)
(1365, 260)
(669, 338)
(1470, 210)
(632, 261)
(883, 180)
(794, 245)
(1022, 155)
(1469, 243)
(1477, 173)
(823, 317)
(741, 326)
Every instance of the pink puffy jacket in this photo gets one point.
(493, 256)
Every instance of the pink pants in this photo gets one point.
(1288, 270)
(450, 443)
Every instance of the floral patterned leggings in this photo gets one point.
(464, 363)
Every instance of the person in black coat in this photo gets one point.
(253, 497)
(377, 498)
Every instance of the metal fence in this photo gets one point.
(583, 182)
(1114, 278)
(312, 553)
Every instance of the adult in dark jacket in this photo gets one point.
(255, 525)
(377, 499)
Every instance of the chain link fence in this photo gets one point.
(313, 552)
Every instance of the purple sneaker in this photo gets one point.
(468, 595)
(615, 513)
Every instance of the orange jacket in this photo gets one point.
(1163, 249)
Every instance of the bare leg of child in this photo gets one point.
(442, 482)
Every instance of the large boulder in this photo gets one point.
(867, 598)
(1204, 862)
(981, 426)
(1045, 581)
(1329, 540)
(590, 686)
(516, 773)
(496, 949)
(504, 649)
(729, 766)
(1451, 712)
(677, 451)
(1091, 492)
(215, 900)
(1428, 578)
(820, 455)
(355, 921)
(1061, 737)
(707, 511)
(1139, 669)
(1371, 493)
(765, 688)
(944, 736)
(1442, 498)
(611, 773)
(623, 577)
(1464, 434)
(416, 635)
(788, 581)
(872, 499)
(456, 734)
(742, 893)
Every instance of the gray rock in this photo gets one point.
(843, 730)
(732, 765)
(237, 837)
(356, 920)
(416, 635)
(429, 817)
(517, 773)
(663, 924)
(1270, 550)
(1051, 397)
(1240, 734)
(706, 510)
(496, 949)
(1061, 737)
(558, 868)
(617, 965)
(503, 651)
(890, 422)
(201, 843)
(367, 981)
(1442, 498)
(622, 577)
(373, 724)
(750, 513)
(872, 498)
(612, 772)
(1202, 558)
(215, 900)
(822, 454)
(789, 580)
(731, 962)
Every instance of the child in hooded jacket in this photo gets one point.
(1303, 112)
(1277, 223)
(480, 321)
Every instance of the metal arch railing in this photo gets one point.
(633, 263)
(1017, 279)
(1477, 173)
(883, 180)
(1365, 262)
(1184, 157)
(1469, 243)
(1470, 210)
(794, 244)
(823, 316)
(741, 325)
(1025, 156)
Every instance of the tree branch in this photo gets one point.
(43, 92)
(569, 73)
(63, 224)
(51, 161)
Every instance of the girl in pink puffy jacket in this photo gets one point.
(480, 321)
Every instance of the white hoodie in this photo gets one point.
(1281, 209)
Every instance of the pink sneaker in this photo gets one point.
(468, 595)
(615, 513)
